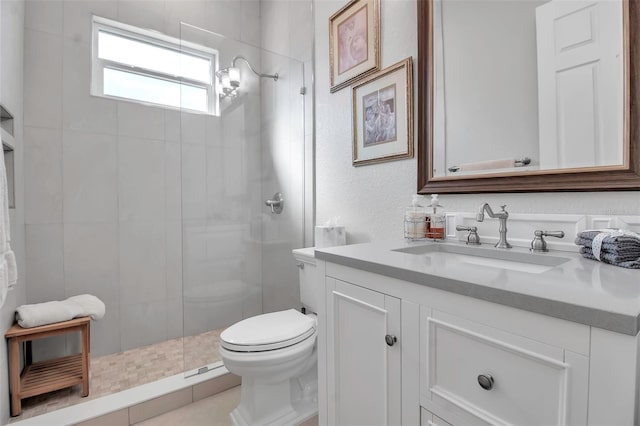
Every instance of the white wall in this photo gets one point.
(370, 200)
(11, 82)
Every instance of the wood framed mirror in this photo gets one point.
(555, 169)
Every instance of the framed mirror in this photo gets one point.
(528, 95)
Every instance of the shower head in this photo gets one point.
(230, 77)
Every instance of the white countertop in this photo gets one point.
(579, 290)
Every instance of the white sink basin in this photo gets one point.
(487, 256)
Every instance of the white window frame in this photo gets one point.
(157, 39)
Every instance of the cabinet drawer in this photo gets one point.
(486, 375)
(429, 419)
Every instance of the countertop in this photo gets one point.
(579, 290)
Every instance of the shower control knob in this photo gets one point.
(485, 381)
(391, 340)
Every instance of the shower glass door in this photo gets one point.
(236, 253)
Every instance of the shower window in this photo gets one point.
(144, 66)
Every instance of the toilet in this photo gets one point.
(276, 356)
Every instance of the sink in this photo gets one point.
(487, 256)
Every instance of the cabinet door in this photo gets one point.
(363, 369)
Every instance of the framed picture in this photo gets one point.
(354, 42)
(383, 115)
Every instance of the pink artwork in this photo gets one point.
(352, 41)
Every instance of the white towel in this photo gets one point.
(38, 314)
(89, 306)
(488, 165)
(8, 273)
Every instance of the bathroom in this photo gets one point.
(70, 238)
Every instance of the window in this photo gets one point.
(143, 66)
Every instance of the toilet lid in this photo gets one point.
(268, 331)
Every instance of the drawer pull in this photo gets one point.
(391, 340)
(485, 381)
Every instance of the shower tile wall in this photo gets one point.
(102, 177)
(287, 162)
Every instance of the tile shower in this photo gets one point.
(160, 212)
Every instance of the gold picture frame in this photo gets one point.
(354, 42)
(383, 115)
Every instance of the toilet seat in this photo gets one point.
(268, 332)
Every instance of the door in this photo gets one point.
(580, 83)
(363, 367)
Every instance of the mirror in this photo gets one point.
(527, 95)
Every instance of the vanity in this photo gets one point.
(437, 334)
(442, 333)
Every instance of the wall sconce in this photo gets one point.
(230, 78)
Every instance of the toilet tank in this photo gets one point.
(309, 280)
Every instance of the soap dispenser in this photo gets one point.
(415, 220)
(435, 220)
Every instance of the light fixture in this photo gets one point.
(230, 78)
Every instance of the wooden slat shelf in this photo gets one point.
(49, 375)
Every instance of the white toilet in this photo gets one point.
(275, 354)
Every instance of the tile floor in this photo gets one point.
(124, 370)
(212, 411)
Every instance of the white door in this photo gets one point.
(363, 370)
(580, 83)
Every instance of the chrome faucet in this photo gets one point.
(502, 215)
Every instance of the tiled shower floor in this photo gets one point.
(124, 370)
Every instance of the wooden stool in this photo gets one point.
(50, 375)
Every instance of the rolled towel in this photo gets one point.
(38, 314)
(488, 165)
(90, 306)
(46, 313)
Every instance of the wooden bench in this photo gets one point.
(49, 375)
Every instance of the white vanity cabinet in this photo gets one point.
(363, 356)
(463, 361)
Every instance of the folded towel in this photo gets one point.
(611, 259)
(617, 246)
(38, 314)
(612, 236)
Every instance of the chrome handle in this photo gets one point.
(538, 244)
(472, 238)
(301, 265)
(391, 340)
(557, 234)
(276, 204)
(485, 381)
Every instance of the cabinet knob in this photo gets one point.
(485, 381)
(391, 340)
(301, 265)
